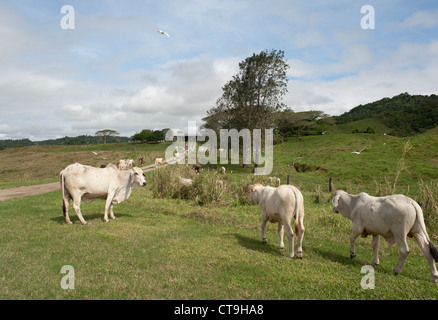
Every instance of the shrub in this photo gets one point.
(428, 200)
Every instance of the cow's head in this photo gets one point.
(255, 192)
(339, 202)
(138, 177)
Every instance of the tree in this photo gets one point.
(106, 133)
(156, 136)
(251, 99)
(142, 136)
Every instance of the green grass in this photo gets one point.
(170, 249)
(174, 249)
(361, 125)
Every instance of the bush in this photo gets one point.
(207, 187)
(428, 200)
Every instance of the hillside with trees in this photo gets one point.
(404, 114)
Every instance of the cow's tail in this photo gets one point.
(299, 209)
(420, 221)
(61, 177)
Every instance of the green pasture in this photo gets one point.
(163, 248)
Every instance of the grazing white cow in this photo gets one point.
(281, 205)
(222, 170)
(158, 162)
(186, 182)
(392, 217)
(82, 182)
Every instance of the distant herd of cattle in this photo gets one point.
(394, 217)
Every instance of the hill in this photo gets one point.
(360, 125)
(404, 114)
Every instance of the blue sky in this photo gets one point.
(115, 71)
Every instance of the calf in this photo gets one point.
(281, 205)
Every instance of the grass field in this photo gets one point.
(160, 248)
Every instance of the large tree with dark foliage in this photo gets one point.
(253, 97)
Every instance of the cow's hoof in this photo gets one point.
(352, 255)
(299, 255)
(264, 240)
(395, 272)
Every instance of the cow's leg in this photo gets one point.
(376, 244)
(425, 247)
(108, 204)
(65, 205)
(263, 226)
(112, 216)
(403, 251)
(299, 229)
(280, 231)
(77, 208)
(355, 232)
(290, 237)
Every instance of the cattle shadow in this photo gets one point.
(337, 257)
(358, 262)
(88, 217)
(257, 245)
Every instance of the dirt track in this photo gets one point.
(25, 191)
(19, 192)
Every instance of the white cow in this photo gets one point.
(158, 162)
(125, 164)
(222, 170)
(392, 217)
(81, 182)
(121, 164)
(186, 182)
(281, 205)
(274, 181)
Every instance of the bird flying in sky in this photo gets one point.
(163, 32)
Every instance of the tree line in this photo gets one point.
(101, 136)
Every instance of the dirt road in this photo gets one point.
(25, 191)
(19, 192)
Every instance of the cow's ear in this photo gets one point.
(144, 175)
(335, 201)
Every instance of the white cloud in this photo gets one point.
(115, 71)
(421, 19)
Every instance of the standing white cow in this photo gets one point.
(158, 162)
(125, 164)
(392, 217)
(281, 205)
(82, 182)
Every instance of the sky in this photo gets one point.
(115, 71)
